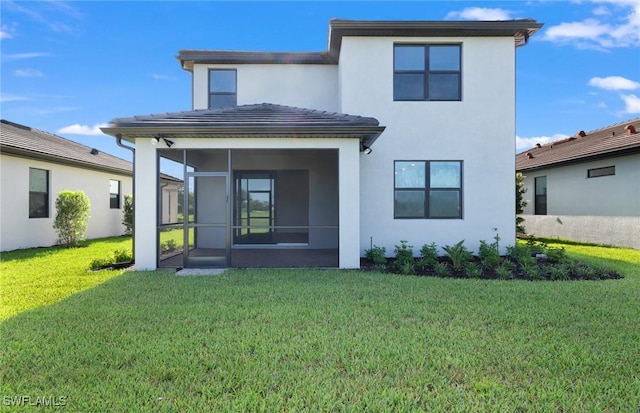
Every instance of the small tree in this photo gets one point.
(521, 203)
(72, 217)
(127, 215)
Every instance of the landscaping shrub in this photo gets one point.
(72, 216)
(404, 262)
(458, 254)
(488, 255)
(472, 270)
(127, 214)
(376, 255)
(428, 256)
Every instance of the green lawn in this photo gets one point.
(329, 340)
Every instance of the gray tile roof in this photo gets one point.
(33, 143)
(264, 115)
(611, 141)
(520, 30)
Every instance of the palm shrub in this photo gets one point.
(72, 217)
(458, 254)
(127, 214)
(376, 255)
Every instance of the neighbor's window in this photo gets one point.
(114, 194)
(596, 172)
(222, 88)
(540, 206)
(427, 72)
(428, 189)
(38, 193)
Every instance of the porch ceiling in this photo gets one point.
(249, 121)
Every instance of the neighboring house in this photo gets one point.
(402, 130)
(586, 187)
(36, 166)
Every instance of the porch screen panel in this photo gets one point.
(292, 206)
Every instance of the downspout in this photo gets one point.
(133, 194)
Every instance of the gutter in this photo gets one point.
(133, 193)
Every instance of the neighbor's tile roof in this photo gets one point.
(606, 142)
(33, 143)
(256, 115)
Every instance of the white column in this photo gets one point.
(349, 194)
(146, 205)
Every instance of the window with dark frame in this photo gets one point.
(540, 205)
(597, 172)
(427, 72)
(38, 193)
(222, 88)
(114, 194)
(428, 189)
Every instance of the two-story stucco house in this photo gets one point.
(401, 130)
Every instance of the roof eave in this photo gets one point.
(581, 159)
(30, 154)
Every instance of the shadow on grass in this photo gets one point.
(39, 252)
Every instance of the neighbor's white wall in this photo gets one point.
(479, 130)
(603, 210)
(570, 192)
(19, 231)
(304, 86)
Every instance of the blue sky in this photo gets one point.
(70, 67)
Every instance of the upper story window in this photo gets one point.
(222, 88)
(428, 189)
(427, 72)
(38, 193)
(114, 194)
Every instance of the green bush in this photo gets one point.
(520, 254)
(127, 215)
(121, 256)
(428, 256)
(458, 254)
(488, 254)
(472, 270)
(404, 262)
(376, 255)
(99, 263)
(441, 269)
(72, 216)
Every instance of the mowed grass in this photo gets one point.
(328, 340)
(35, 277)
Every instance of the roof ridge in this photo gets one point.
(623, 123)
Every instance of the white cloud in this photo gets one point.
(22, 56)
(614, 83)
(479, 13)
(632, 103)
(77, 129)
(6, 32)
(607, 29)
(28, 73)
(5, 97)
(58, 16)
(157, 76)
(528, 143)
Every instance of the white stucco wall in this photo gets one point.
(304, 86)
(479, 130)
(348, 165)
(570, 192)
(602, 210)
(19, 231)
